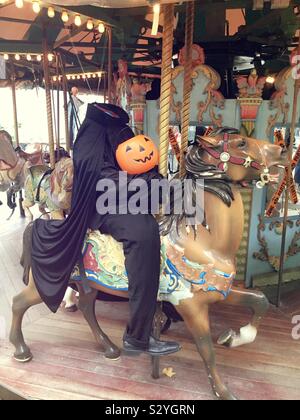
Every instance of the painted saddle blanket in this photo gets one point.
(104, 264)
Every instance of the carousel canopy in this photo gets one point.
(235, 34)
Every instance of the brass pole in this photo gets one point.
(66, 115)
(15, 110)
(288, 187)
(110, 65)
(48, 99)
(58, 103)
(166, 85)
(187, 87)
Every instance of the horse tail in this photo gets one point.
(26, 253)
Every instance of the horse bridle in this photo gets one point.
(225, 158)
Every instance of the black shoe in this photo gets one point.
(156, 348)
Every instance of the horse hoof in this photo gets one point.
(113, 354)
(226, 339)
(71, 309)
(225, 395)
(23, 358)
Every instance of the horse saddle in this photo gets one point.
(104, 264)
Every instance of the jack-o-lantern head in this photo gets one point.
(137, 155)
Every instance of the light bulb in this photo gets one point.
(6, 57)
(19, 4)
(73, 77)
(17, 57)
(28, 57)
(77, 20)
(90, 25)
(65, 17)
(36, 7)
(51, 12)
(39, 57)
(54, 79)
(270, 80)
(101, 28)
(78, 77)
(50, 57)
(68, 77)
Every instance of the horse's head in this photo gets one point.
(8, 156)
(242, 158)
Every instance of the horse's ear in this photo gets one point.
(209, 141)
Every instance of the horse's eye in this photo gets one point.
(242, 144)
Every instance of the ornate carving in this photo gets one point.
(278, 101)
(263, 254)
(251, 86)
(214, 98)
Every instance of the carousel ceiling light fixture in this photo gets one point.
(19, 4)
(50, 57)
(101, 28)
(77, 20)
(39, 57)
(28, 57)
(6, 57)
(90, 25)
(17, 57)
(36, 7)
(270, 80)
(51, 12)
(65, 16)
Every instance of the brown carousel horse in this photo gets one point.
(198, 265)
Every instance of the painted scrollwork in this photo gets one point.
(214, 98)
(279, 101)
(264, 255)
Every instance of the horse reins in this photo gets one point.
(225, 158)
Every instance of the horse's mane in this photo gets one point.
(215, 182)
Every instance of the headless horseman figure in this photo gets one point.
(57, 245)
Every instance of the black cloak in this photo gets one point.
(57, 245)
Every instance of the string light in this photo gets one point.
(51, 12)
(17, 57)
(101, 28)
(36, 7)
(50, 57)
(39, 57)
(80, 76)
(19, 4)
(65, 17)
(77, 20)
(6, 57)
(28, 57)
(90, 25)
(270, 80)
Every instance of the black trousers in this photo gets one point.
(141, 241)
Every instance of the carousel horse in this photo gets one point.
(26, 169)
(198, 264)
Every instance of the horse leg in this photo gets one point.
(195, 313)
(21, 303)
(22, 212)
(259, 304)
(26, 208)
(70, 300)
(87, 307)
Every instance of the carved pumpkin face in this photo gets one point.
(137, 155)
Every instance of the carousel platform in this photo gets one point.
(68, 365)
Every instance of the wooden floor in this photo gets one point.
(68, 365)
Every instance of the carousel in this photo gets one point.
(210, 94)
